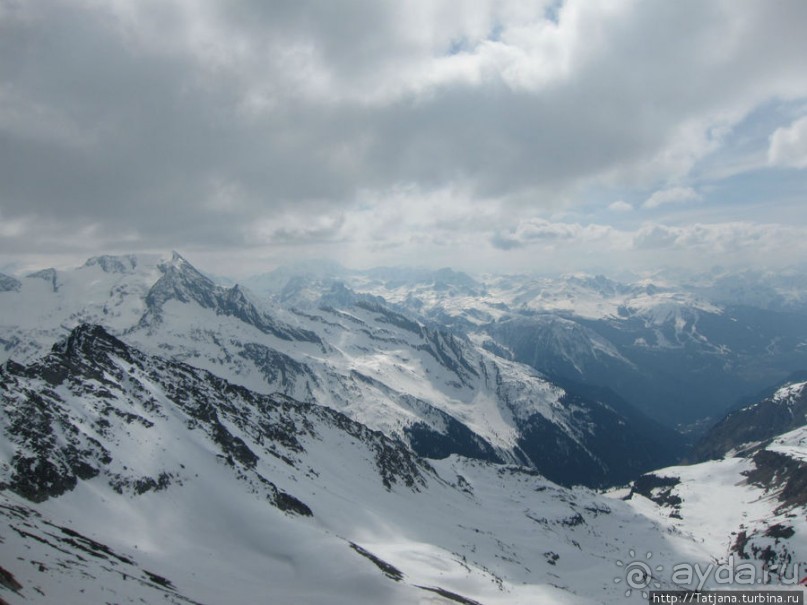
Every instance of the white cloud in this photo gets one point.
(788, 146)
(620, 206)
(725, 241)
(673, 195)
(537, 231)
(650, 237)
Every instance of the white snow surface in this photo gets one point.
(789, 392)
(720, 507)
(792, 444)
(492, 533)
(378, 373)
(577, 295)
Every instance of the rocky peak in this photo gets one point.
(340, 296)
(87, 340)
(54, 447)
(113, 264)
(183, 282)
(750, 426)
(9, 284)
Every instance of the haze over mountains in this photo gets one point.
(730, 334)
(391, 435)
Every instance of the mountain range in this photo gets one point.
(365, 437)
(434, 388)
(729, 334)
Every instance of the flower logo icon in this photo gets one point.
(638, 574)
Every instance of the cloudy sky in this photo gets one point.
(480, 134)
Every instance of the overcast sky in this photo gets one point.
(480, 134)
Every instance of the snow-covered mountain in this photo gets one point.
(750, 426)
(746, 509)
(747, 501)
(128, 477)
(636, 338)
(784, 290)
(190, 442)
(437, 390)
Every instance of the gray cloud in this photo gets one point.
(228, 125)
(565, 235)
(724, 240)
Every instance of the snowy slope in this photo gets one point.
(748, 502)
(439, 391)
(562, 309)
(49, 303)
(633, 337)
(750, 509)
(148, 479)
(746, 428)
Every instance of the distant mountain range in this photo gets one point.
(728, 334)
(430, 386)
(365, 437)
